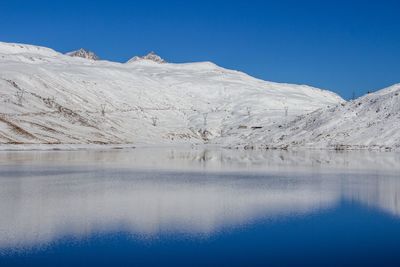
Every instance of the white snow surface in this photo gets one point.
(50, 98)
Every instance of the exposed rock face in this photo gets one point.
(83, 54)
(150, 56)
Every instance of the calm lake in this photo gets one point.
(199, 207)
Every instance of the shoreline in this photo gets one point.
(99, 147)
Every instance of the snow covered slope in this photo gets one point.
(50, 98)
(369, 122)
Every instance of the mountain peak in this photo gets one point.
(83, 53)
(152, 56)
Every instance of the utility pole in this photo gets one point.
(205, 119)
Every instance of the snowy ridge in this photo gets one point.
(369, 122)
(10, 48)
(50, 98)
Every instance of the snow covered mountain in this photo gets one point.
(83, 54)
(50, 98)
(369, 122)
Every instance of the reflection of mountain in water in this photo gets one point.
(214, 159)
(375, 190)
(46, 195)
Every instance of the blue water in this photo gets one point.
(57, 211)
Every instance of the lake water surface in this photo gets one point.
(199, 207)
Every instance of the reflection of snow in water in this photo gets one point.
(44, 196)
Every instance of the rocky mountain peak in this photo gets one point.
(83, 53)
(152, 56)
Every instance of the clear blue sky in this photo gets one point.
(343, 46)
